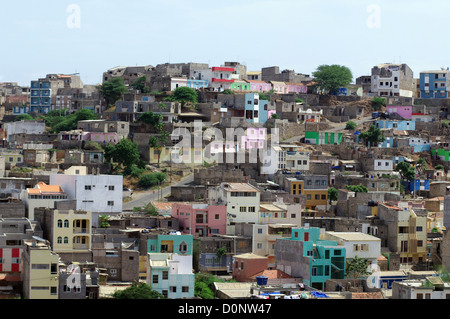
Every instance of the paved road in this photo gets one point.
(338, 127)
(143, 198)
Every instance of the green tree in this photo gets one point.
(204, 285)
(373, 136)
(112, 90)
(406, 171)
(59, 120)
(377, 103)
(24, 117)
(227, 91)
(421, 165)
(357, 188)
(184, 95)
(357, 268)
(332, 77)
(350, 125)
(104, 221)
(439, 167)
(332, 194)
(125, 153)
(151, 179)
(139, 85)
(138, 291)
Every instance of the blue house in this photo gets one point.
(417, 184)
(40, 97)
(433, 84)
(197, 84)
(256, 110)
(396, 125)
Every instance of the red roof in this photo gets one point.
(223, 69)
(222, 80)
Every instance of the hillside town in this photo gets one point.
(198, 181)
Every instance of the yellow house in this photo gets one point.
(40, 270)
(71, 230)
(315, 197)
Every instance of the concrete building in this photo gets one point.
(392, 80)
(357, 244)
(406, 232)
(428, 288)
(99, 194)
(171, 275)
(201, 220)
(42, 195)
(317, 260)
(13, 233)
(40, 270)
(241, 199)
(435, 84)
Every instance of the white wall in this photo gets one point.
(96, 199)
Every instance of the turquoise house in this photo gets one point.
(170, 265)
(172, 243)
(316, 260)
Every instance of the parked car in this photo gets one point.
(127, 192)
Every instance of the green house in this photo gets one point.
(316, 260)
(323, 138)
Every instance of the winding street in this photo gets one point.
(143, 198)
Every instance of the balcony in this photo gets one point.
(80, 230)
(222, 80)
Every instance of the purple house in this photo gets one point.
(296, 87)
(403, 111)
(259, 86)
(254, 138)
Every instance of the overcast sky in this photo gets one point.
(91, 36)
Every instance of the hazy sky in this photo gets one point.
(91, 36)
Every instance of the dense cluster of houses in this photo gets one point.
(283, 196)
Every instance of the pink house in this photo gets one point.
(201, 220)
(296, 87)
(403, 111)
(101, 137)
(254, 138)
(259, 86)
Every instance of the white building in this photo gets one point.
(100, 194)
(242, 201)
(42, 195)
(24, 127)
(383, 165)
(357, 244)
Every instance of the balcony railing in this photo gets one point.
(79, 230)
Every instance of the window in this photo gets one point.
(419, 228)
(59, 223)
(419, 296)
(111, 187)
(259, 246)
(59, 240)
(66, 223)
(155, 279)
(54, 269)
(308, 197)
(251, 209)
(173, 289)
(260, 231)
(110, 203)
(185, 289)
(243, 209)
(217, 217)
(40, 266)
(87, 187)
(165, 275)
(66, 240)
